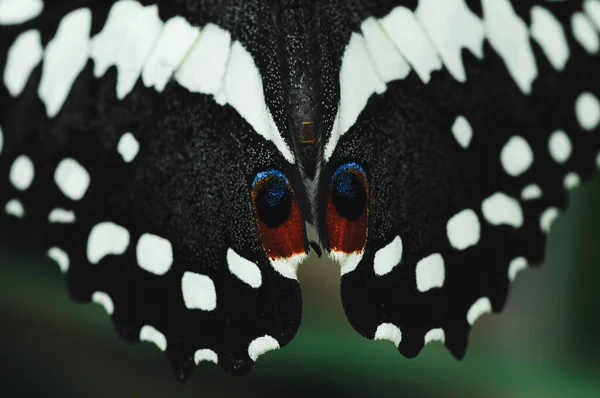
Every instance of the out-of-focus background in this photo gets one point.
(545, 344)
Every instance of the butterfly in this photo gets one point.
(179, 159)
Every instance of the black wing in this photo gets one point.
(469, 125)
(126, 148)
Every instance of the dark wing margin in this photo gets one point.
(466, 173)
(142, 196)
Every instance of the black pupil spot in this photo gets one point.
(273, 202)
(349, 195)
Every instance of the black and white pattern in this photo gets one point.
(133, 134)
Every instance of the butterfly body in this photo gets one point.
(169, 156)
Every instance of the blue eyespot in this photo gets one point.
(349, 190)
(272, 197)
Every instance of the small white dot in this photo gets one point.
(244, 269)
(106, 238)
(516, 156)
(128, 147)
(463, 132)
(435, 335)
(389, 332)
(480, 307)
(463, 229)
(584, 32)
(547, 219)
(61, 258)
(388, 257)
(261, 345)
(154, 254)
(517, 265)
(149, 333)
(531, 192)
(61, 216)
(560, 146)
(571, 181)
(198, 292)
(105, 301)
(587, 109)
(22, 173)
(430, 272)
(501, 209)
(205, 355)
(72, 179)
(14, 208)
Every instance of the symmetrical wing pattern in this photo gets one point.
(471, 120)
(130, 146)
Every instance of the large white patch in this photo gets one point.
(500, 209)
(550, 35)
(244, 269)
(72, 179)
(106, 238)
(14, 12)
(23, 56)
(21, 173)
(154, 254)
(516, 156)
(463, 229)
(64, 58)
(198, 292)
(560, 147)
(587, 110)
(388, 257)
(584, 33)
(592, 9)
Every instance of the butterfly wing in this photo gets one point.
(131, 148)
(469, 125)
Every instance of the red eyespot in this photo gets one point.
(279, 221)
(347, 209)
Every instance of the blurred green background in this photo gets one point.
(545, 344)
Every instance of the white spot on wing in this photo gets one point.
(21, 173)
(549, 34)
(388, 257)
(149, 333)
(587, 109)
(390, 332)
(72, 179)
(198, 292)
(547, 219)
(174, 43)
(244, 269)
(452, 27)
(65, 57)
(501, 209)
(480, 307)
(517, 265)
(288, 267)
(592, 9)
(435, 335)
(462, 131)
(15, 12)
(531, 192)
(584, 33)
(105, 301)
(14, 208)
(508, 35)
(23, 56)
(348, 262)
(412, 41)
(60, 257)
(61, 216)
(205, 355)
(106, 238)
(571, 181)
(463, 229)
(516, 156)
(560, 147)
(128, 147)
(154, 254)
(430, 272)
(260, 345)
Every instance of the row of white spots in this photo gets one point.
(139, 44)
(14, 12)
(435, 36)
(391, 332)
